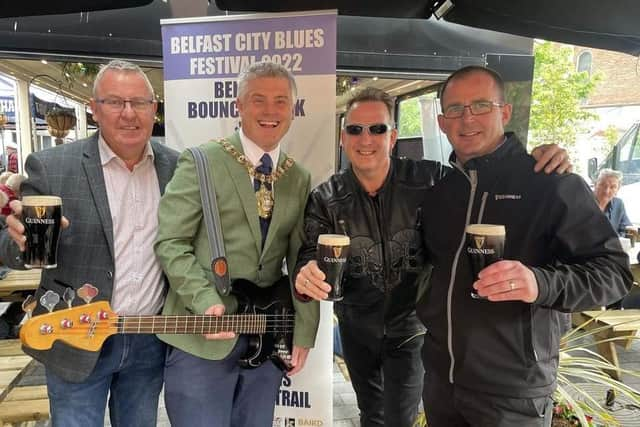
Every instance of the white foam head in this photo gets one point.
(41, 200)
(334, 239)
(486, 229)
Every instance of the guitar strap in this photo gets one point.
(211, 217)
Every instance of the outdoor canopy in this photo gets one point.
(611, 25)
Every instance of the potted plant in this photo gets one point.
(575, 406)
(578, 360)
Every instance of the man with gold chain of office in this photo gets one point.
(261, 194)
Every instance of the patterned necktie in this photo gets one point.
(266, 166)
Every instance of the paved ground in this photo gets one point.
(345, 411)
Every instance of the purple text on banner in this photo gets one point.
(304, 44)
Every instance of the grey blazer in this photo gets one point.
(85, 252)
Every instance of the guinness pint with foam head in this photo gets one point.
(485, 245)
(41, 216)
(333, 251)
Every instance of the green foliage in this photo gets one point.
(73, 71)
(611, 135)
(410, 118)
(558, 91)
(577, 361)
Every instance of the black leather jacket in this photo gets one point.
(386, 257)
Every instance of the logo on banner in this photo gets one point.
(290, 422)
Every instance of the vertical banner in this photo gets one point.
(202, 58)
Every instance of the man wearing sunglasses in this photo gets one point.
(492, 361)
(376, 202)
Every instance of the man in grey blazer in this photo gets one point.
(110, 185)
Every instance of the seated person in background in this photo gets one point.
(605, 190)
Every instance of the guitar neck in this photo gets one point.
(198, 324)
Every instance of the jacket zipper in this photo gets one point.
(376, 201)
(473, 181)
(482, 205)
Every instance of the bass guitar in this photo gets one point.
(266, 315)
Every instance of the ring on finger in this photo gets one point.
(512, 285)
(306, 282)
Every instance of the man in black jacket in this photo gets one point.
(376, 202)
(493, 361)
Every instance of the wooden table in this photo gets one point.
(635, 270)
(17, 281)
(12, 364)
(19, 404)
(622, 324)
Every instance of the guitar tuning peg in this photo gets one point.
(28, 305)
(87, 292)
(49, 300)
(68, 296)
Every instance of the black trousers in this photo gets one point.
(449, 405)
(386, 372)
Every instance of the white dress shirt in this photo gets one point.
(254, 153)
(138, 283)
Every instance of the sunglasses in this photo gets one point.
(374, 129)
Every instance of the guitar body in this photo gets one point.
(276, 344)
(265, 315)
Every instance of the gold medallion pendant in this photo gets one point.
(264, 196)
(265, 201)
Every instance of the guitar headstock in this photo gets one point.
(84, 326)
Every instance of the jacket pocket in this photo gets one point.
(529, 337)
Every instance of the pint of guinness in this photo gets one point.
(333, 251)
(41, 216)
(485, 245)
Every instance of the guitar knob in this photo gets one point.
(66, 323)
(46, 329)
(85, 318)
(103, 315)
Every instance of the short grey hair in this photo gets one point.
(265, 69)
(372, 94)
(121, 66)
(610, 173)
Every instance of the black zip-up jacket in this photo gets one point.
(386, 254)
(555, 228)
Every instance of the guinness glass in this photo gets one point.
(485, 245)
(333, 250)
(41, 216)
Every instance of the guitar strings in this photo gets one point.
(175, 324)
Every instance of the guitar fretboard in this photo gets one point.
(205, 324)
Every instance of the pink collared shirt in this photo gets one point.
(138, 283)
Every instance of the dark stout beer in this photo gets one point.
(333, 250)
(41, 216)
(485, 245)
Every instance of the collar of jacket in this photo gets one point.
(351, 174)
(511, 147)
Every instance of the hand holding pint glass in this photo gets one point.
(42, 220)
(485, 245)
(333, 251)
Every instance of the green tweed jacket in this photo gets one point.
(183, 249)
